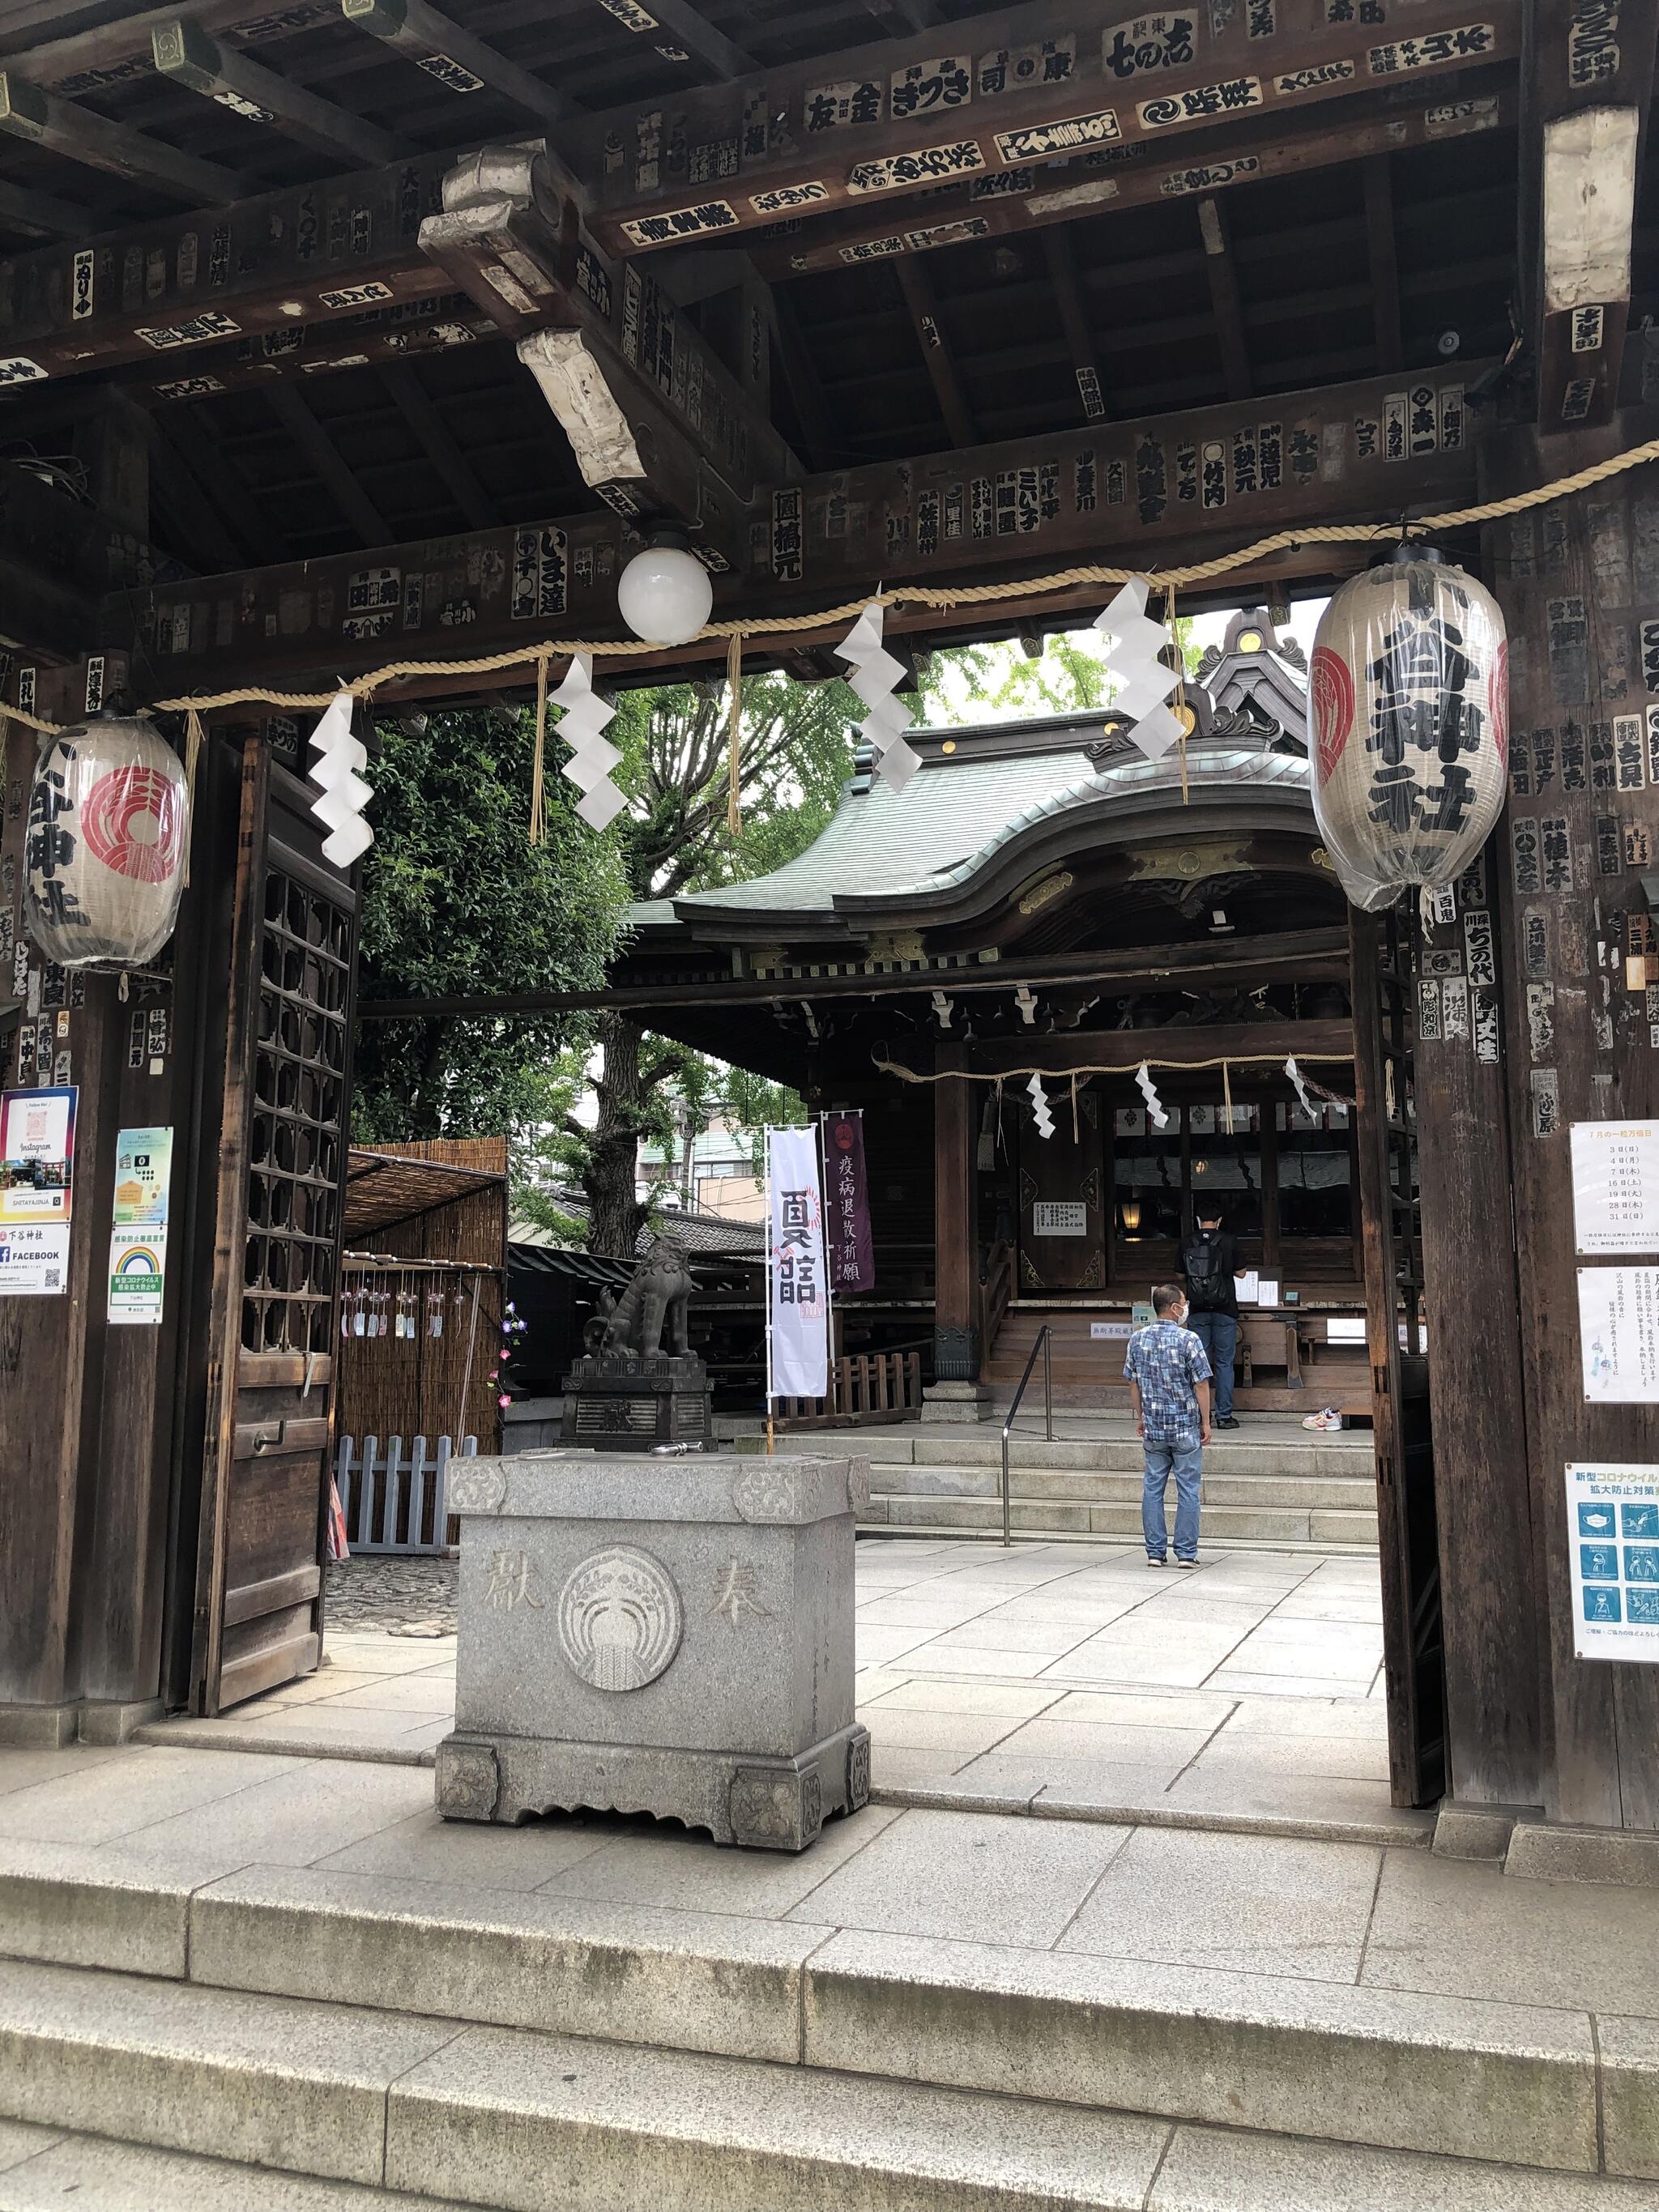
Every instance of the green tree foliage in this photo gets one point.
(456, 900)
(1069, 677)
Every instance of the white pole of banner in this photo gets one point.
(771, 1438)
(830, 1368)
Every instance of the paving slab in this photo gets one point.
(1299, 2056)
(1253, 1905)
(1355, 1757)
(134, 1789)
(475, 1855)
(22, 1770)
(1206, 2171)
(635, 1974)
(1144, 1744)
(898, 1728)
(1630, 2071)
(75, 1905)
(968, 1875)
(95, 2175)
(927, 1694)
(536, 2124)
(1473, 1930)
(691, 1873)
(18, 2141)
(301, 2087)
(313, 1807)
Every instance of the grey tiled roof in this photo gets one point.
(950, 821)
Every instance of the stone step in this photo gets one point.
(1347, 1453)
(1298, 1491)
(1326, 1528)
(460, 2042)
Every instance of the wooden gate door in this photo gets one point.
(1062, 1221)
(277, 1248)
(1384, 1006)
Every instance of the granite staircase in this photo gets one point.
(1301, 1491)
(288, 2039)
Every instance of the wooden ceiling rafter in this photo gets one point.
(1225, 304)
(452, 57)
(329, 464)
(1383, 259)
(185, 54)
(922, 306)
(432, 435)
(79, 134)
(1074, 324)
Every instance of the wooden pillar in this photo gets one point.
(1473, 1311)
(957, 1348)
(1579, 585)
(1267, 1120)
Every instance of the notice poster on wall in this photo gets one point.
(1612, 1533)
(1615, 1186)
(138, 1230)
(37, 1178)
(1619, 1334)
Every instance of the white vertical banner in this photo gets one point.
(797, 1279)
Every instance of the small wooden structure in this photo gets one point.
(967, 307)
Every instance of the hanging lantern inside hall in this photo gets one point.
(104, 852)
(1407, 725)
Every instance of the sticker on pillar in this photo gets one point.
(1615, 1580)
(138, 1232)
(37, 1169)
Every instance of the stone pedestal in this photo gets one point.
(665, 1636)
(625, 1401)
(958, 1401)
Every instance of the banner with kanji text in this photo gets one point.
(797, 1280)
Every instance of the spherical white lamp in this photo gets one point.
(665, 593)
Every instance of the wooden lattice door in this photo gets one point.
(276, 1251)
(1385, 1013)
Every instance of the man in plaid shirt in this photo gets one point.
(1168, 1379)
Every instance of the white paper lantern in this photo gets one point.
(665, 594)
(104, 852)
(1407, 726)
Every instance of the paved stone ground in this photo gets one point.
(1055, 1676)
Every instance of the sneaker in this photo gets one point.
(1186, 1563)
(1152, 1562)
(1229, 1423)
(1329, 1418)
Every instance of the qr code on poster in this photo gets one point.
(54, 1278)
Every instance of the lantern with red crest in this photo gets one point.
(1407, 726)
(104, 851)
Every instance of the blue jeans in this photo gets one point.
(1183, 1459)
(1218, 1334)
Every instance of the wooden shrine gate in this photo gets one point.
(275, 1251)
(1391, 1213)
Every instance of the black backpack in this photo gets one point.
(1206, 1278)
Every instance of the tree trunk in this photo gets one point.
(616, 1215)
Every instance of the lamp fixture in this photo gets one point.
(665, 594)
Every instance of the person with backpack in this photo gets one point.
(1210, 1262)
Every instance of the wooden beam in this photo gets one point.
(1384, 260)
(1311, 955)
(24, 209)
(1152, 490)
(660, 426)
(692, 29)
(41, 118)
(452, 57)
(1225, 301)
(185, 55)
(1586, 80)
(415, 403)
(90, 61)
(277, 262)
(801, 374)
(323, 456)
(1074, 322)
(916, 285)
(902, 18)
(883, 122)
(217, 528)
(380, 337)
(1037, 197)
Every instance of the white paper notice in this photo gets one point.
(1344, 1329)
(1615, 1186)
(1612, 1533)
(1245, 1286)
(1111, 1329)
(1619, 1334)
(1266, 1291)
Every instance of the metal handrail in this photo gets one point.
(1043, 1344)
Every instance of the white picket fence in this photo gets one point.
(393, 1503)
